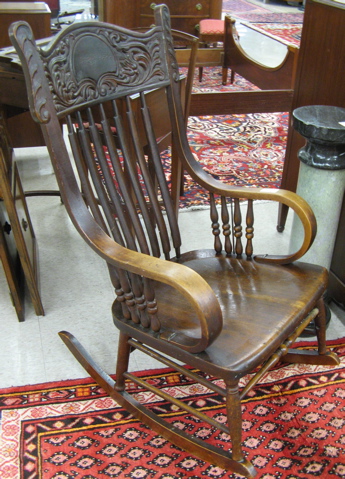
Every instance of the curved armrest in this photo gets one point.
(189, 283)
(288, 198)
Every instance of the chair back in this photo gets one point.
(107, 83)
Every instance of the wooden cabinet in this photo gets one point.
(185, 14)
(320, 71)
(54, 5)
(319, 81)
(18, 246)
(37, 14)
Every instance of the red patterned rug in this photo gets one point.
(241, 9)
(270, 17)
(242, 150)
(293, 428)
(287, 32)
(241, 6)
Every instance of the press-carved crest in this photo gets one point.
(75, 76)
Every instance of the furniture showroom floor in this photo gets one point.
(76, 291)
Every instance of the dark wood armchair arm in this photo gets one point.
(285, 197)
(189, 283)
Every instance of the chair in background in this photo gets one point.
(211, 33)
(221, 310)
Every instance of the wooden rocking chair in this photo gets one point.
(222, 310)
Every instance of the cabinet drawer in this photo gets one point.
(187, 25)
(179, 7)
(185, 14)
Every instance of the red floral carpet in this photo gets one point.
(287, 32)
(251, 12)
(269, 17)
(293, 428)
(241, 6)
(242, 150)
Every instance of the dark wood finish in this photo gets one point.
(185, 14)
(221, 310)
(18, 246)
(240, 102)
(319, 76)
(336, 288)
(8, 250)
(37, 14)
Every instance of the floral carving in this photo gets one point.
(76, 75)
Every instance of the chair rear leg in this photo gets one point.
(321, 356)
(225, 75)
(320, 327)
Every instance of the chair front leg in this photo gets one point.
(123, 353)
(234, 414)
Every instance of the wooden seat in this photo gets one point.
(220, 310)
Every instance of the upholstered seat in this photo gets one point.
(211, 32)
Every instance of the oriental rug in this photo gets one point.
(270, 17)
(240, 150)
(242, 6)
(293, 428)
(241, 9)
(286, 32)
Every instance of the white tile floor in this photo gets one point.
(76, 291)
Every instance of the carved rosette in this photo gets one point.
(75, 75)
